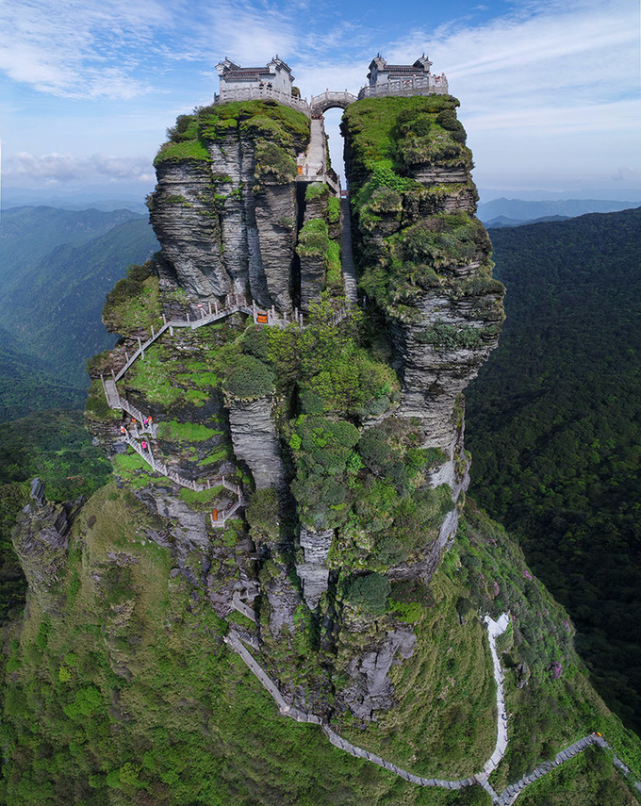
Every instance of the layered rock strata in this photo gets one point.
(40, 539)
(426, 263)
(313, 572)
(224, 209)
(256, 442)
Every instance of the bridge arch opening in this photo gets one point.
(335, 141)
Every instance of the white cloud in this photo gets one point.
(551, 91)
(556, 80)
(54, 168)
(78, 49)
(624, 174)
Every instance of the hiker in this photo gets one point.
(145, 421)
(144, 445)
(123, 430)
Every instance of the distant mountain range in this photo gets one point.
(127, 199)
(55, 268)
(517, 211)
(503, 221)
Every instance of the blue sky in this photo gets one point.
(549, 89)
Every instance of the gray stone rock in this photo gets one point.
(372, 689)
(187, 225)
(37, 492)
(255, 440)
(283, 600)
(274, 208)
(313, 573)
(40, 539)
(188, 528)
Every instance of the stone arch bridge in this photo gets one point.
(330, 100)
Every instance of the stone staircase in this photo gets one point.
(347, 259)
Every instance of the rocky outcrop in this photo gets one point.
(313, 573)
(187, 222)
(224, 209)
(439, 351)
(256, 441)
(371, 690)
(275, 215)
(41, 542)
(188, 527)
(282, 602)
(426, 262)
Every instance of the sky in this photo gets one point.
(550, 90)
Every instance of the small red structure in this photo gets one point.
(261, 318)
(214, 514)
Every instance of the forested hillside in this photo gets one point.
(55, 447)
(56, 267)
(554, 425)
(28, 234)
(27, 384)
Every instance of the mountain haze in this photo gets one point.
(57, 267)
(519, 210)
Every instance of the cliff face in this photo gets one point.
(224, 209)
(41, 541)
(425, 261)
(346, 436)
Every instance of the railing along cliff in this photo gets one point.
(434, 85)
(257, 94)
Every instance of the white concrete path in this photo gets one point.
(494, 630)
(505, 798)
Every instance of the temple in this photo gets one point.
(275, 81)
(380, 72)
(274, 76)
(403, 79)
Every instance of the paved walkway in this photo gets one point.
(316, 157)
(506, 798)
(347, 259)
(315, 163)
(494, 629)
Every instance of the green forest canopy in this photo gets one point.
(554, 425)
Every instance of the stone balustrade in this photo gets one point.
(258, 94)
(431, 85)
